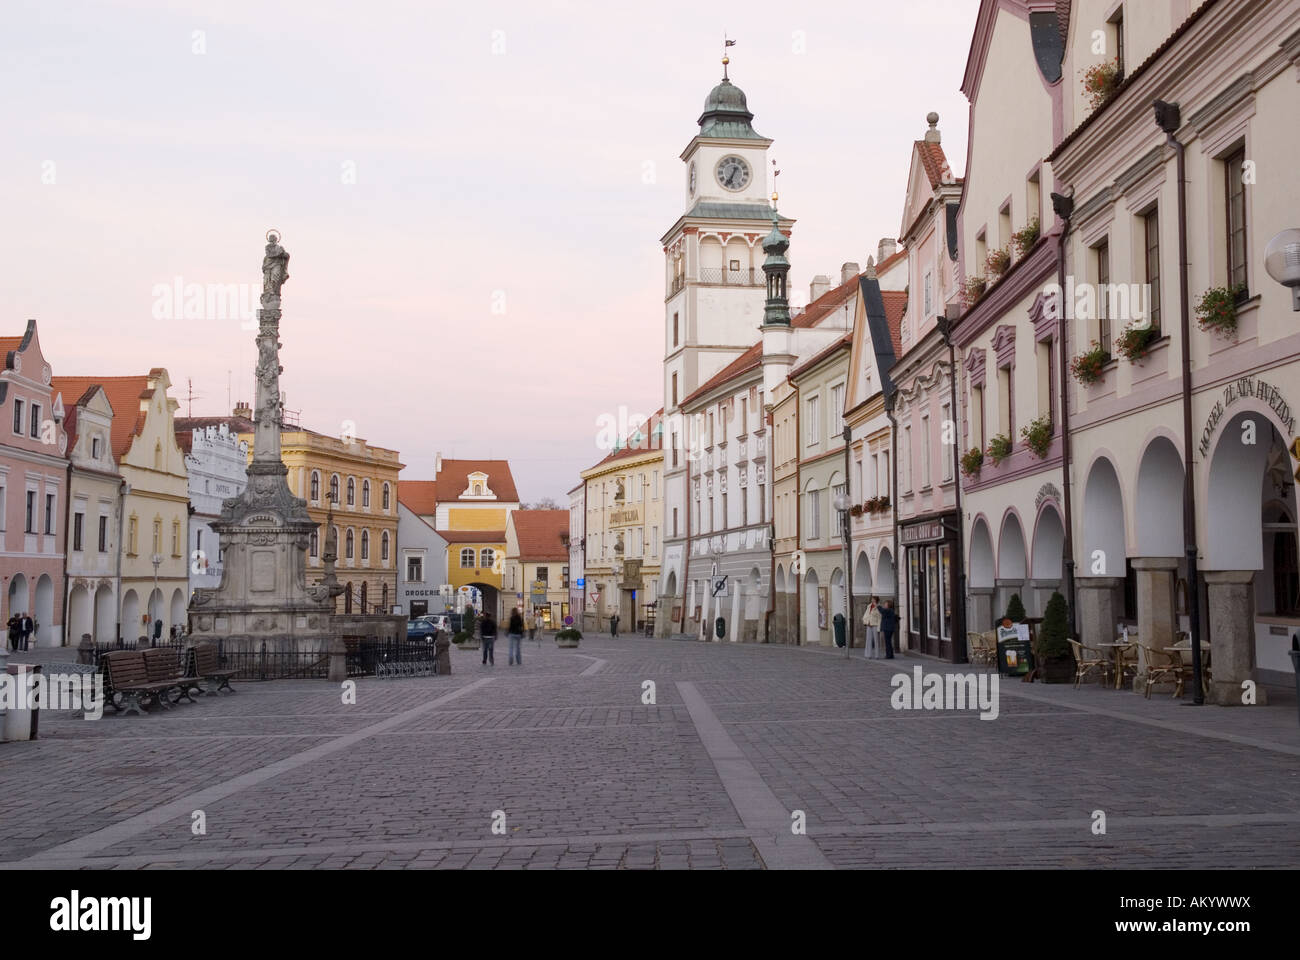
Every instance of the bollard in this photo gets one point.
(338, 654)
(442, 653)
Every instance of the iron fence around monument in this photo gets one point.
(370, 657)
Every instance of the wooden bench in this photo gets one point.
(163, 665)
(204, 666)
(127, 686)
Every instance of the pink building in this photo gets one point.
(33, 494)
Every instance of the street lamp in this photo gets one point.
(156, 560)
(842, 505)
(1282, 261)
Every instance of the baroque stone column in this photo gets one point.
(1232, 633)
(1100, 606)
(1157, 606)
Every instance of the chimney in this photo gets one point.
(849, 271)
(888, 247)
(820, 284)
(932, 135)
(243, 410)
(437, 464)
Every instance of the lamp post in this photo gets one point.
(156, 560)
(842, 505)
(1282, 261)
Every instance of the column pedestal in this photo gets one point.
(980, 609)
(1232, 632)
(1157, 608)
(1100, 606)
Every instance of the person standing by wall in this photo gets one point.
(871, 620)
(613, 625)
(515, 638)
(488, 632)
(888, 626)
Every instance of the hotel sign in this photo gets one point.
(628, 515)
(923, 532)
(1255, 388)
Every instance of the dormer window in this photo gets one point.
(477, 486)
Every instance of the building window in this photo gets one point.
(49, 513)
(837, 407)
(176, 538)
(18, 416)
(386, 496)
(315, 486)
(36, 421)
(886, 479)
(674, 389)
(487, 557)
(157, 535)
(415, 569)
(814, 430)
(1117, 36)
(675, 330)
(132, 536)
(78, 522)
(350, 551)
(544, 574)
(1103, 295)
(352, 492)
(1151, 226)
(103, 534)
(1235, 191)
(564, 574)
(814, 515)
(927, 287)
(467, 558)
(315, 544)
(383, 548)
(674, 521)
(837, 491)
(94, 448)
(906, 455)
(365, 493)
(334, 489)
(725, 516)
(925, 452)
(365, 544)
(946, 414)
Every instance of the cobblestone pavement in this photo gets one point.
(560, 764)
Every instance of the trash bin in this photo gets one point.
(838, 621)
(18, 721)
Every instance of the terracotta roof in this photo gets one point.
(841, 344)
(9, 343)
(454, 478)
(934, 160)
(812, 315)
(418, 496)
(473, 536)
(538, 533)
(651, 439)
(895, 307)
(124, 395)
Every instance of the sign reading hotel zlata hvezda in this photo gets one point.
(1248, 386)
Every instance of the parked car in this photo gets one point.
(421, 628)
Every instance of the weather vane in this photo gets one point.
(726, 59)
(775, 173)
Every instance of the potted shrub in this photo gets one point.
(855, 510)
(972, 290)
(999, 448)
(998, 262)
(971, 461)
(1090, 366)
(1037, 435)
(1101, 81)
(568, 637)
(1025, 239)
(872, 506)
(1055, 659)
(465, 640)
(1134, 343)
(882, 504)
(1015, 610)
(1216, 311)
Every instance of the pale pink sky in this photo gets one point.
(520, 171)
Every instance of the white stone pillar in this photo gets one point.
(1100, 606)
(1232, 635)
(1157, 606)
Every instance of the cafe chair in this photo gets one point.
(1086, 659)
(1161, 667)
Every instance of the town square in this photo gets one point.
(460, 439)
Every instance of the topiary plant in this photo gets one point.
(1015, 609)
(1053, 635)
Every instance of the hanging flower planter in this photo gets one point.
(999, 449)
(1037, 436)
(1134, 343)
(1101, 82)
(1089, 367)
(1025, 239)
(855, 510)
(972, 290)
(971, 461)
(998, 262)
(1216, 311)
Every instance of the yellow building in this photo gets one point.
(360, 482)
(624, 532)
(469, 503)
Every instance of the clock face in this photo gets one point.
(691, 177)
(733, 173)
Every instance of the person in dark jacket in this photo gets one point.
(27, 629)
(888, 626)
(13, 631)
(515, 638)
(613, 625)
(488, 631)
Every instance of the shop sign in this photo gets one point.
(923, 532)
(1248, 386)
(625, 516)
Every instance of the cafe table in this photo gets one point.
(1119, 650)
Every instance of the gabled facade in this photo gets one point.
(33, 487)
(95, 507)
(537, 565)
(422, 566)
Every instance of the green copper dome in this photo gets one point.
(726, 113)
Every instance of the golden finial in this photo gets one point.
(775, 173)
(726, 59)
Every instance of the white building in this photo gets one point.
(217, 461)
(423, 571)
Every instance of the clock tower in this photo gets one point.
(714, 291)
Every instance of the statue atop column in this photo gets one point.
(275, 267)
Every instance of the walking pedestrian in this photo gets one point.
(871, 620)
(531, 624)
(515, 638)
(488, 631)
(613, 625)
(27, 632)
(888, 624)
(13, 631)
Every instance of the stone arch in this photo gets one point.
(838, 595)
(1235, 497)
(1103, 521)
(105, 616)
(670, 589)
(983, 568)
(778, 579)
(178, 608)
(43, 611)
(811, 629)
(131, 624)
(1012, 556)
(19, 595)
(886, 582)
(1158, 514)
(862, 574)
(81, 613)
(1046, 560)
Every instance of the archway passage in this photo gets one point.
(81, 614)
(178, 609)
(885, 576)
(1047, 560)
(105, 621)
(862, 576)
(47, 634)
(131, 626)
(1102, 530)
(812, 627)
(980, 581)
(1012, 563)
(838, 601)
(19, 599)
(1159, 511)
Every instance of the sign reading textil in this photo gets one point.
(1248, 386)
